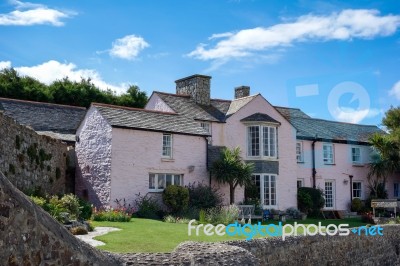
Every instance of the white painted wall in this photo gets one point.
(93, 153)
(156, 103)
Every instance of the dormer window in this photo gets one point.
(262, 141)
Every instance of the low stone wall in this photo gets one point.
(301, 250)
(30, 236)
(32, 161)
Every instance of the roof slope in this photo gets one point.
(259, 117)
(135, 118)
(291, 112)
(184, 105)
(60, 121)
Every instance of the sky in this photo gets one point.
(335, 60)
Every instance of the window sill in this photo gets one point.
(301, 162)
(155, 190)
(262, 158)
(358, 165)
(167, 160)
(329, 164)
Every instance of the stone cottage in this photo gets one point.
(175, 138)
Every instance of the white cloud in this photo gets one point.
(395, 91)
(52, 70)
(27, 14)
(5, 64)
(355, 116)
(345, 25)
(128, 47)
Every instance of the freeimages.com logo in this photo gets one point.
(252, 230)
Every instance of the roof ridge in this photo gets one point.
(254, 95)
(132, 108)
(173, 94)
(221, 100)
(338, 122)
(285, 107)
(41, 103)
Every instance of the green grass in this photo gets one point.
(145, 235)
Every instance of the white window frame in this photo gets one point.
(157, 177)
(299, 156)
(163, 155)
(206, 126)
(353, 148)
(329, 159)
(263, 177)
(301, 182)
(264, 140)
(396, 195)
(358, 189)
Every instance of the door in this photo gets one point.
(329, 194)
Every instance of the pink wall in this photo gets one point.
(136, 153)
(156, 103)
(234, 132)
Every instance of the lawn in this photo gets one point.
(144, 235)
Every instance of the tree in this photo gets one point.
(232, 170)
(386, 159)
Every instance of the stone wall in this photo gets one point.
(31, 161)
(197, 86)
(30, 236)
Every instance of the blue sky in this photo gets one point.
(336, 60)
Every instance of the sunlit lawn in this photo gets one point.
(144, 235)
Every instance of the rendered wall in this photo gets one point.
(93, 151)
(136, 153)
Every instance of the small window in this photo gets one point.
(300, 183)
(396, 190)
(356, 155)
(299, 152)
(206, 126)
(328, 154)
(167, 146)
(357, 189)
(157, 182)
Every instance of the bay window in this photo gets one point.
(262, 141)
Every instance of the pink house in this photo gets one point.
(176, 137)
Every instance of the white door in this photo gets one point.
(329, 194)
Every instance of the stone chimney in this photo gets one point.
(242, 91)
(197, 86)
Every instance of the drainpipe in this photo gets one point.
(206, 139)
(314, 172)
(351, 188)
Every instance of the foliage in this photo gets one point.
(222, 215)
(357, 205)
(368, 217)
(310, 200)
(86, 209)
(232, 170)
(111, 215)
(71, 203)
(386, 159)
(148, 207)
(65, 91)
(293, 212)
(202, 216)
(56, 209)
(176, 198)
(202, 196)
(123, 205)
(178, 220)
(39, 201)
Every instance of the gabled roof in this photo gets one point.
(259, 117)
(237, 104)
(59, 121)
(184, 105)
(291, 112)
(135, 118)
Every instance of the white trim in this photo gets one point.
(301, 152)
(361, 189)
(333, 153)
(262, 176)
(261, 141)
(171, 146)
(164, 176)
(333, 194)
(351, 155)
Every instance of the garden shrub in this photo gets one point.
(80, 230)
(222, 215)
(202, 196)
(176, 198)
(178, 220)
(310, 201)
(85, 209)
(70, 203)
(148, 207)
(202, 216)
(111, 215)
(357, 205)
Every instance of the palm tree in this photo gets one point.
(232, 170)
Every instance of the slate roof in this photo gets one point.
(291, 112)
(125, 117)
(259, 117)
(184, 105)
(59, 121)
(237, 104)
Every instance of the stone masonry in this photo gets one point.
(242, 91)
(197, 86)
(32, 162)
